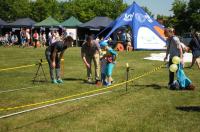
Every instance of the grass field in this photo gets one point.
(147, 105)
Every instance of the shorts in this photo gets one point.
(196, 53)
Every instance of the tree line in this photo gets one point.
(186, 14)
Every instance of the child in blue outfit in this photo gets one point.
(103, 63)
(110, 58)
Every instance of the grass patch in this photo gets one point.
(147, 105)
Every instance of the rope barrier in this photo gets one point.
(24, 66)
(84, 93)
(61, 102)
(19, 67)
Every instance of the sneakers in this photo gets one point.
(108, 84)
(54, 81)
(89, 80)
(171, 86)
(57, 81)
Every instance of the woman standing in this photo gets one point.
(54, 53)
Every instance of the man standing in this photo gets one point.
(173, 49)
(90, 51)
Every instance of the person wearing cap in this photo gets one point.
(110, 57)
(54, 53)
(173, 49)
(90, 51)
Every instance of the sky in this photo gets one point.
(161, 7)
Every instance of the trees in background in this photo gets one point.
(38, 10)
(186, 14)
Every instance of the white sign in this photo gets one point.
(147, 39)
(140, 17)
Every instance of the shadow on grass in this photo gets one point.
(78, 79)
(189, 108)
(39, 81)
(73, 79)
(154, 86)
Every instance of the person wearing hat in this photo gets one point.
(110, 57)
(91, 51)
(54, 53)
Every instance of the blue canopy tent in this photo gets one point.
(146, 32)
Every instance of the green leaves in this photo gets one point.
(38, 10)
(186, 15)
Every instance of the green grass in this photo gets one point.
(147, 105)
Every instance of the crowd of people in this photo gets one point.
(27, 38)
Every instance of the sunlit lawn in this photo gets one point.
(147, 105)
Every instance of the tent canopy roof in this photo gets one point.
(71, 22)
(2, 22)
(97, 23)
(22, 22)
(147, 33)
(48, 22)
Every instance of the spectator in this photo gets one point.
(128, 41)
(23, 37)
(14, 39)
(43, 38)
(173, 49)
(35, 38)
(50, 35)
(123, 38)
(90, 51)
(28, 38)
(194, 45)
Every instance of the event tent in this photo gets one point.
(2, 23)
(97, 23)
(146, 32)
(71, 22)
(48, 22)
(22, 22)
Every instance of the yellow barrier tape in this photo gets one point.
(19, 67)
(79, 94)
(24, 66)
